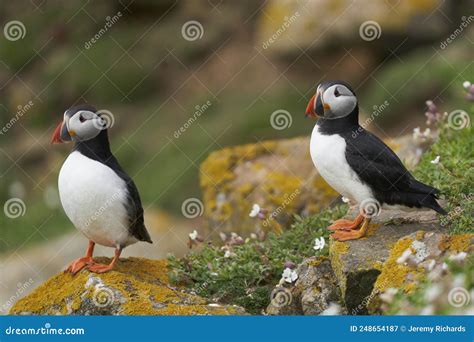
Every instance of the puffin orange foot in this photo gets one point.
(79, 264)
(100, 268)
(342, 235)
(346, 224)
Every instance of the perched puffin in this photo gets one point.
(358, 164)
(97, 195)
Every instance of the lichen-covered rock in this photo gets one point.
(136, 286)
(412, 258)
(314, 291)
(357, 264)
(290, 24)
(277, 175)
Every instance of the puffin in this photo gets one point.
(97, 195)
(357, 164)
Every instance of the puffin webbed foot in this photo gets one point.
(101, 268)
(343, 224)
(354, 233)
(79, 264)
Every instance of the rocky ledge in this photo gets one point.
(137, 286)
(400, 250)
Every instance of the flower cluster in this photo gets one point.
(432, 114)
(469, 95)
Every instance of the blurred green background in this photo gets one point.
(249, 59)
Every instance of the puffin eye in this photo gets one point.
(81, 118)
(336, 93)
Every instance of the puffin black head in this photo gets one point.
(333, 100)
(80, 123)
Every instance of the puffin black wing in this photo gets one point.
(134, 205)
(381, 169)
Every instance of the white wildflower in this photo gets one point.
(427, 310)
(319, 243)
(436, 160)
(229, 254)
(416, 133)
(433, 292)
(458, 257)
(345, 199)
(193, 235)
(255, 210)
(404, 257)
(388, 295)
(289, 275)
(466, 84)
(333, 309)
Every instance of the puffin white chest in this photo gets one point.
(328, 153)
(94, 197)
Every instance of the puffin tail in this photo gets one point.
(430, 202)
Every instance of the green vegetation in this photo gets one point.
(247, 277)
(454, 175)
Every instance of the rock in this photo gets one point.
(289, 25)
(46, 259)
(136, 286)
(234, 178)
(277, 175)
(412, 258)
(314, 291)
(358, 263)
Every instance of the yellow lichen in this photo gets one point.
(420, 235)
(142, 284)
(394, 274)
(457, 243)
(317, 261)
(372, 229)
(337, 250)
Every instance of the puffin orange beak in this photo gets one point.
(56, 138)
(310, 108)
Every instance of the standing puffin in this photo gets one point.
(98, 197)
(358, 164)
